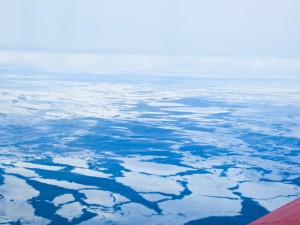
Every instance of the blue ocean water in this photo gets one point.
(88, 148)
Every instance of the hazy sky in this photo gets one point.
(205, 27)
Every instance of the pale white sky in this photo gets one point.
(204, 27)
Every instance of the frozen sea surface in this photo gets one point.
(155, 149)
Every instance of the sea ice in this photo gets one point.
(150, 183)
(71, 161)
(71, 210)
(99, 197)
(14, 206)
(37, 166)
(90, 173)
(63, 184)
(135, 165)
(62, 199)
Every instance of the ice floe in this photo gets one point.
(15, 194)
(239, 174)
(268, 191)
(71, 161)
(211, 185)
(63, 184)
(155, 197)
(150, 183)
(21, 171)
(275, 203)
(37, 166)
(198, 206)
(71, 210)
(12, 186)
(135, 165)
(99, 197)
(62, 199)
(91, 173)
(130, 213)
